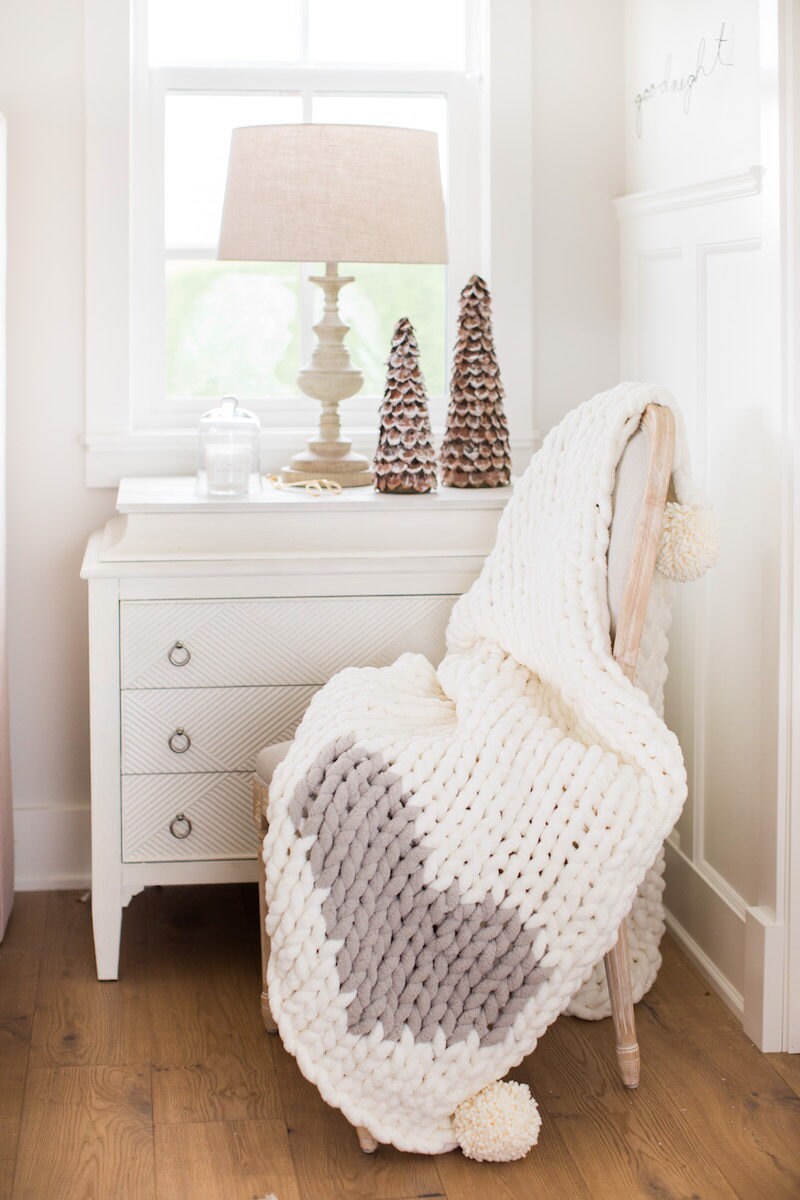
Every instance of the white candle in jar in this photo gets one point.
(228, 469)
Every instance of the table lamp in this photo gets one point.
(331, 194)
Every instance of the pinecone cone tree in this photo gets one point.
(405, 460)
(475, 450)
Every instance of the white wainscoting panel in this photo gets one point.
(738, 466)
(660, 279)
(695, 319)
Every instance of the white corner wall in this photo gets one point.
(578, 170)
(701, 314)
(50, 512)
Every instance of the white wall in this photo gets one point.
(721, 130)
(578, 165)
(700, 314)
(50, 512)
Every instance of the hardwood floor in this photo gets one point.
(163, 1086)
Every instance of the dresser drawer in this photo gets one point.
(173, 818)
(184, 730)
(226, 643)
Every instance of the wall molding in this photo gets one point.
(708, 191)
(693, 266)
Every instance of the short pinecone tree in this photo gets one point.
(475, 450)
(405, 460)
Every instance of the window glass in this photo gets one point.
(372, 305)
(232, 328)
(197, 138)
(209, 31)
(415, 32)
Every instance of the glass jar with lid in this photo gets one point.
(228, 451)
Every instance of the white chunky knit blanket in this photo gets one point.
(451, 850)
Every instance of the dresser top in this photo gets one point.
(163, 521)
(177, 494)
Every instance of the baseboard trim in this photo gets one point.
(707, 967)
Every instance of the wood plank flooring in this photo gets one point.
(164, 1086)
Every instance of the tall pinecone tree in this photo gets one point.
(405, 460)
(475, 450)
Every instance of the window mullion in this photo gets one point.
(476, 40)
(269, 78)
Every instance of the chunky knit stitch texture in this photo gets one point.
(451, 851)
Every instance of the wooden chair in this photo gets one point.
(640, 493)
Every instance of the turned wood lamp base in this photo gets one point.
(330, 377)
(352, 470)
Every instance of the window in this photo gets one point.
(170, 329)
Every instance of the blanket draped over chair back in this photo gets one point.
(452, 849)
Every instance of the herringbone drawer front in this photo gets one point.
(169, 818)
(223, 643)
(185, 730)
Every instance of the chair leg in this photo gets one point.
(365, 1140)
(618, 975)
(266, 1011)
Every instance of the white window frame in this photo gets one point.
(129, 429)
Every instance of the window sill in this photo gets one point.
(166, 452)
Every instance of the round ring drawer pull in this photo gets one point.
(180, 826)
(179, 655)
(179, 741)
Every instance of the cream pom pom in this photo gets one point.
(689, 543)
(498, 1124)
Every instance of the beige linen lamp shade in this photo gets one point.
(333, 193)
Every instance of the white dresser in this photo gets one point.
(211, 626)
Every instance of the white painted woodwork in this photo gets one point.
(695, 319)
(107, 881)
(211, 729)
(701, 269)
(788, 102)
(267, 642)
(132, 427)
(357, 524)
(267, 616)
(217, 807)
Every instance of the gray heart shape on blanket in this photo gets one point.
(411, 955)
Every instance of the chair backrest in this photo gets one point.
(640, 493)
